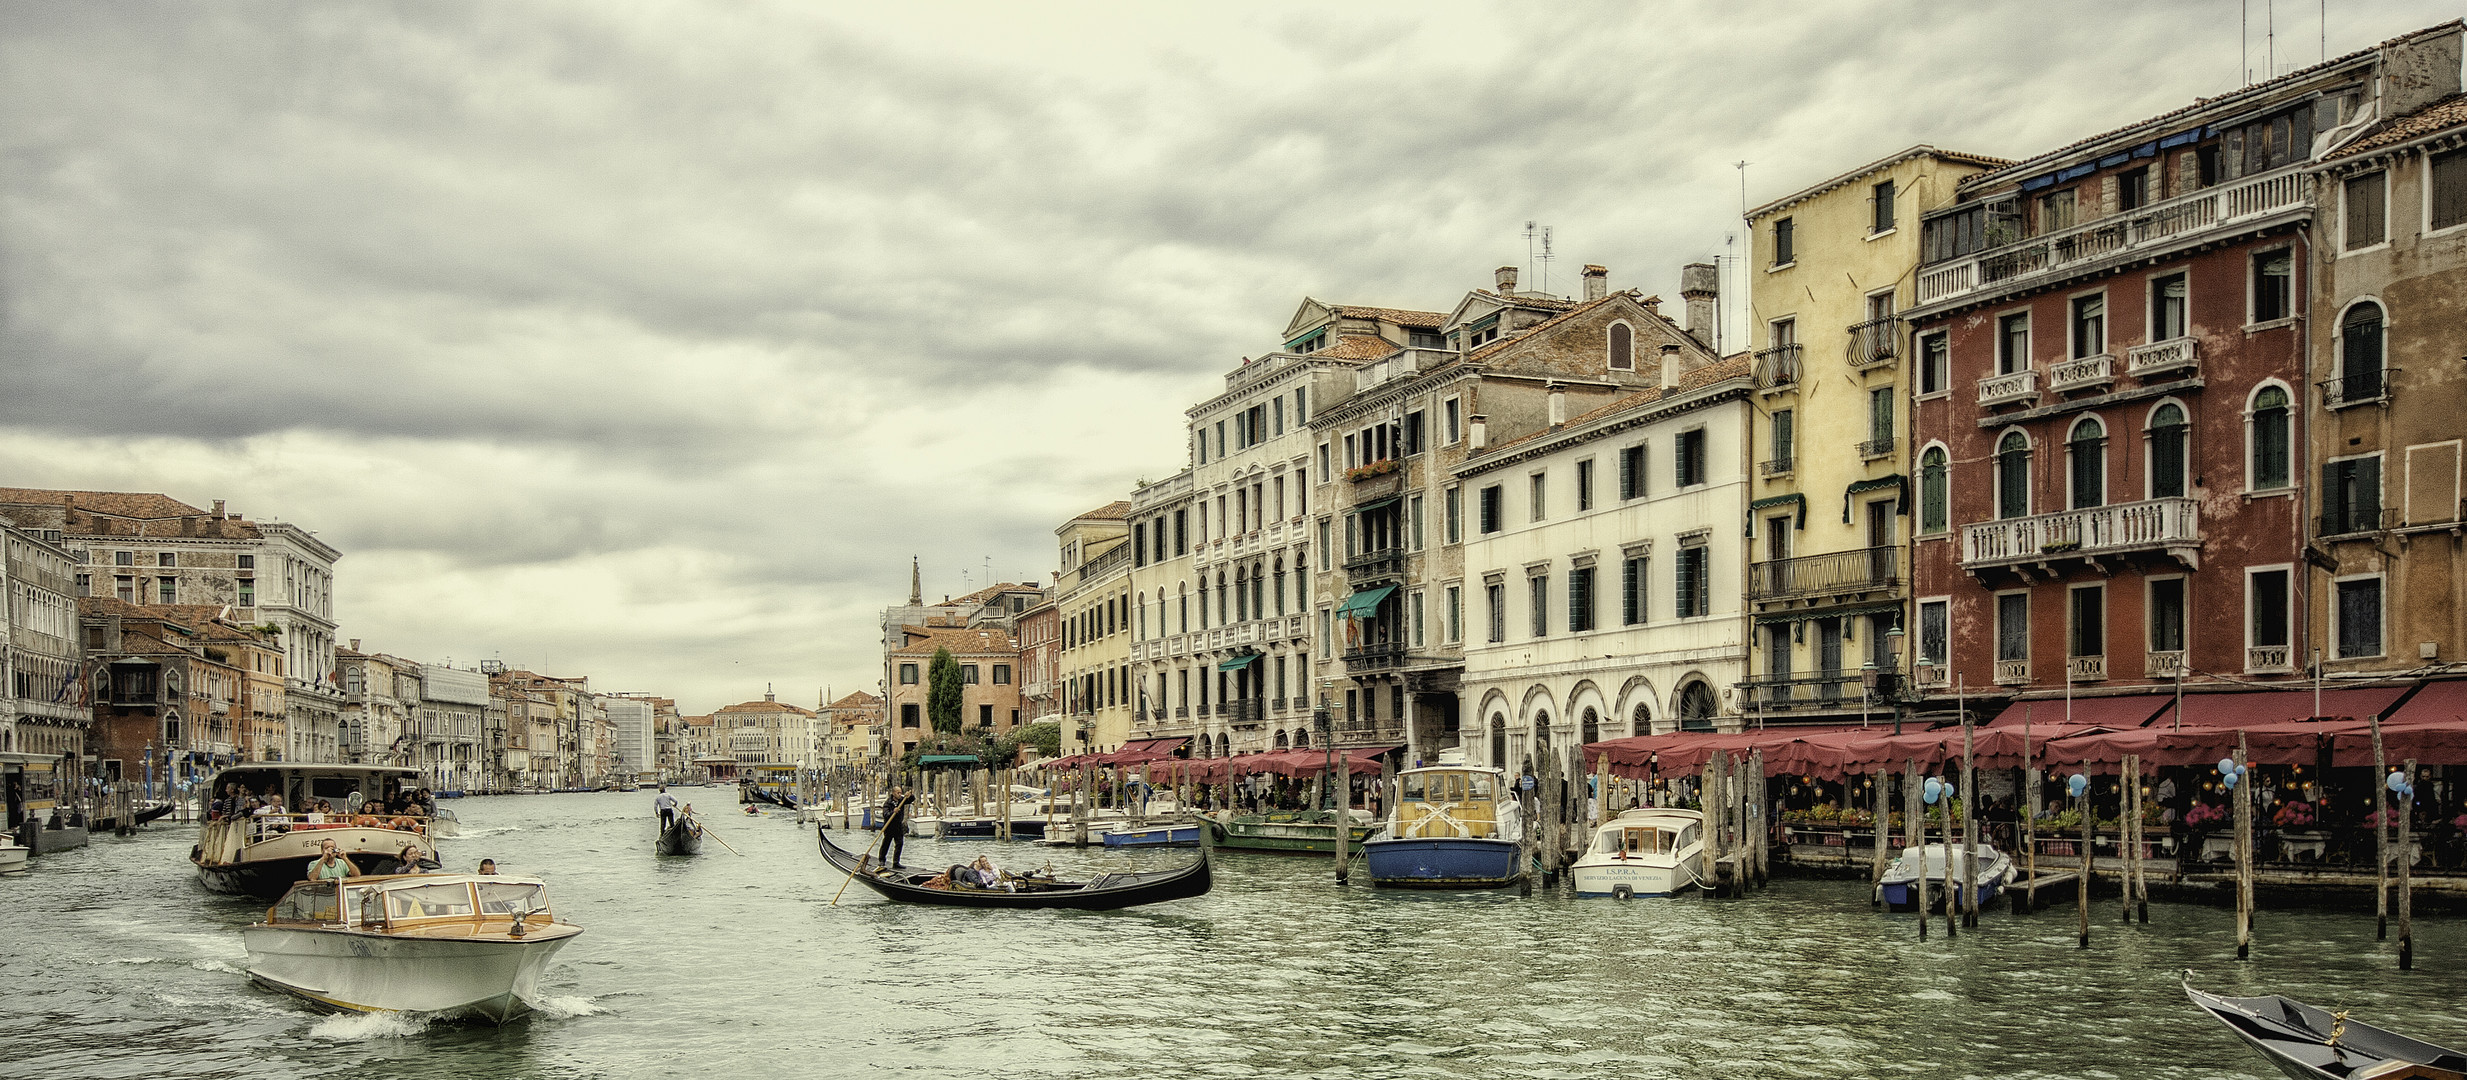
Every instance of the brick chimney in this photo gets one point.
(1477, 433)
(1505, 276)
(1670, 367)
(218, 509)
(1597, 282)
(1699, 283)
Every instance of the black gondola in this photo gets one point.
(1104, 892)
(682, 837)
(753, 794)
(2312, 1044)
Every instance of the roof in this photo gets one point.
(1735, 367)
(2448, 112)
(1575, 309)
(1876, 166)
(856, 700)
(958, 640)
(129, 504)
(1359, 347)
(1117, 510)
(989, 592)
(762, 706)
(1428, 320)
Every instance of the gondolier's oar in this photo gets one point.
(861, 859)
(714, 834)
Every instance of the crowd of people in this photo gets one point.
(402, 810)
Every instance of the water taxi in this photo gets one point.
(263, 854)
(1447, 831)
(1648, 851)
(454, 945)
(1896, 890)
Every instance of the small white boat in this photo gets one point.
(13, 856)
(453, 945)
(1648, 851)
(1895, 889)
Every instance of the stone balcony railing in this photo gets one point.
(1835, 572)
(2085, 668)
(2163, 663)
(1374, 657)
(2165, 223)
(2268, 658)
(2084, 373)
(2012, 672)
(2173, 354)
(2021, 385)
(2171, 525)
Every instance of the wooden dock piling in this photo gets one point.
(2407, 870)
(2126, 816)
(2090, 819)
(2381, 837)
(2243, 798)
(1884, 822)
(1970, 828)
(1914, 823)
(1709, 796)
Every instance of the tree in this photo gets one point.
(942, 695)
(1046, 737)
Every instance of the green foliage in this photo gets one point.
(942, 695)
(1045, 737)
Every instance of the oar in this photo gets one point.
(714, 834)
(861, 860)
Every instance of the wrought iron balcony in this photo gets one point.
(2021, 385)
(2083, 373)
(1777, 367)
(1876, 448)
(1247, 711)
(2357, 388)
(1875, 342)
(1387, 564)
(2171, 525)
(2166, 223)
(1835, 572)
(1376, 657)
(2173, 354)
(1828, 690)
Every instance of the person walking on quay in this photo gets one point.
(666, 804)
(895, 828)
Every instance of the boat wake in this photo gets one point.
(362, 1027)
(566, 1006)
(468, 832)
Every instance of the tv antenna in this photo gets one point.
(1538, 264)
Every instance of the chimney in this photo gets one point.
(1597, 282)
(1699, 283)
(1506, 277)
(1670, 367)
(355, 644)
(1653, 305)
(1558, 405)
(1477, 433)
(218, 509)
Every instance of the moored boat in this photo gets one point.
(1647, 851)
(1185, 834)
(1286, 832)
(1897, 888)
(455, 945)
(2309, 1043)
(1104, 892)
(13, 856)
(1446, 831)
(261, 855)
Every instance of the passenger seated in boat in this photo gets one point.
(985, 875)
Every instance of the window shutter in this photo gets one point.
(1627, 592)
(2449, 188)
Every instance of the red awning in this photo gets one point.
(2446, 700)
(1680, 752)
(2129, 710)
(1143, 751)
(2300, 743)
(2280, 706)
(2430, 742)
(1991, 747)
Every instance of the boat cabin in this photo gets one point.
(431, 904)
(1638, 834)
(301, 786)
(1447, 801)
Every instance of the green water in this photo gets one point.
(115, 964)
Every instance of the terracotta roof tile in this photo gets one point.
(1734, 367)
(762, 707)
(977, 642)
(2445, 113)
(1360, 347)
(1117, 510)
(1420, 320)
(857, 700)
(129, 504)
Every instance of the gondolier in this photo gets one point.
(666, 804)
(895, 828)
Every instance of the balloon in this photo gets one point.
(2397, 781)
(2226, 765)
(2230, 781)
(2077, 784)
(2243, 769)
(1931, 791)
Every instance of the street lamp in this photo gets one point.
(1890, 678)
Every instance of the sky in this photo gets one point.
(649, 341)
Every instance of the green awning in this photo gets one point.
(1814, 614)
(1897, 482)
(1793, 499)
(1361, 605)
(949, 759)
(1237, 663)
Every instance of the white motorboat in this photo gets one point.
(13, 856)
(1895, 891)
(1648, 851)
(262, 854)
(454, 945)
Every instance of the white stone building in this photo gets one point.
(453, 709)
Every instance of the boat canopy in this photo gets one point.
(384, 901)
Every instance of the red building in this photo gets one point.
(2110, 405)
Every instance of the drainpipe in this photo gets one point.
(2301, 504)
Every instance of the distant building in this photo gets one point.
(633, 736)
(853, 731)
(766, 732)
(43, 687)
(1093, 595)
(451, 715)
(180, 691)
(988, 660)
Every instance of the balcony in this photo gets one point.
(2267, 659)
(1182, 712)
(1276, 704)
(2020, 386)
(2173, 354)
(1387, 564)
(2350, 522)
(2085, 373)
(1377, 657)
(2171, 526)
(2085, 668)
(1875, 343)
(1247, 712)
(2163, 664)
(1837, 573)
(1367, 733)
(2357, 388)
(1832, 690)
(2012, 672)
(1876, 448)
(2165, 223)
(1777, 368)
(1777, 466)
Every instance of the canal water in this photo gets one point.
(114, 963)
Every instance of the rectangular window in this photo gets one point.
(124, 558)
(907, 674)
(2089, 325)
(1880, 416)
(2168, 297)
(248, 562)
(1935, 364)
(1276, 416)
(2057, 210)
(1182, 532)
(985, 716)
(168, 589)
(1301, 411)
(2272, 272)
(2167, 615)
(1455, 614)
(2133, 188)
(1490, 509)
(1413, 433)
(1782, 441)
(1323, 463)
(1935, 632)
(1534, 491)
(1584, 485)
(2359, 615)
(1417, 620)
(2350, 496)
(2266, 604)
(1451, 413)
(1415, 512)
(1694, 581)
(1497, 596)
(2013, 626)
(1220, 438)
(1454, 498)
(167, 558)
(2367, 218)
(2449, 195)
(1580, 600)
(1882, 201)
(1327, 642)
(1324, 558)
(1691, 455)
(1279, 505)
(125, 589)
(1632, 472)
(2013, 343)
(2088, 634)
(1783, 253)
(1002, 672)
(1633, 575)
(1538, 589)
(968, 674)
(908, 715)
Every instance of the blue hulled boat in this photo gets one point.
(1186, 835)
(1448, 831)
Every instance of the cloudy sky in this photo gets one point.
(649, 340)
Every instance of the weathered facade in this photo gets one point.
(43, 680)
(988, 659)
(179, 691)
(1161, 563)
(1093, 595)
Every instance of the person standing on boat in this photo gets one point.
(666, 804)
(330, 864)
(895, 828)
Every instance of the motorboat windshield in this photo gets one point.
(1447, 786)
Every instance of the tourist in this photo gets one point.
(666, 804)
(408, 860)
(895, 828)
(330, 864)
(488, 867)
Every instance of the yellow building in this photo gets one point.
(1828, 572)
(1093, 595)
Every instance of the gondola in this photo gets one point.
(756, 794)
(2311, 1044)
(682, 837)
(1104, 892)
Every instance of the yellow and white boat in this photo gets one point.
(453, 945)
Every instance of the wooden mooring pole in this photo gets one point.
(2244, 855)
(2407, 870)
(1970, 828)
(1759, 818)
(2090, 819)
(2127, 814)
(1914, 823)
(1953, 888)
(1710, 798)
(2381, 837)
(1884, 822)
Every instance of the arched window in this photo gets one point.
(2268, 432)
(1281, 742)
(1641, 723)
(2086, 455)
(1934, 494)
(1242, 593)
(1622, 347)
(2013, 475)
(1592, 730)
(1301, 738)
(1696, 707)
(2360, 353)
(1499, 740)
(2167, 435)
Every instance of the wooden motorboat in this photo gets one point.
(1103, 892)
(682, 837)
(13, 856)
(263, 854)
(1648, 851)
(1897, 890)
(453, 945)
(2314, 1044)
(1446, 831)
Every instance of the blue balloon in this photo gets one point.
(2230, 781)
(1931, 791)
(2077, 784)
(2397, 781)
(2226, 765)
(2243, 769)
